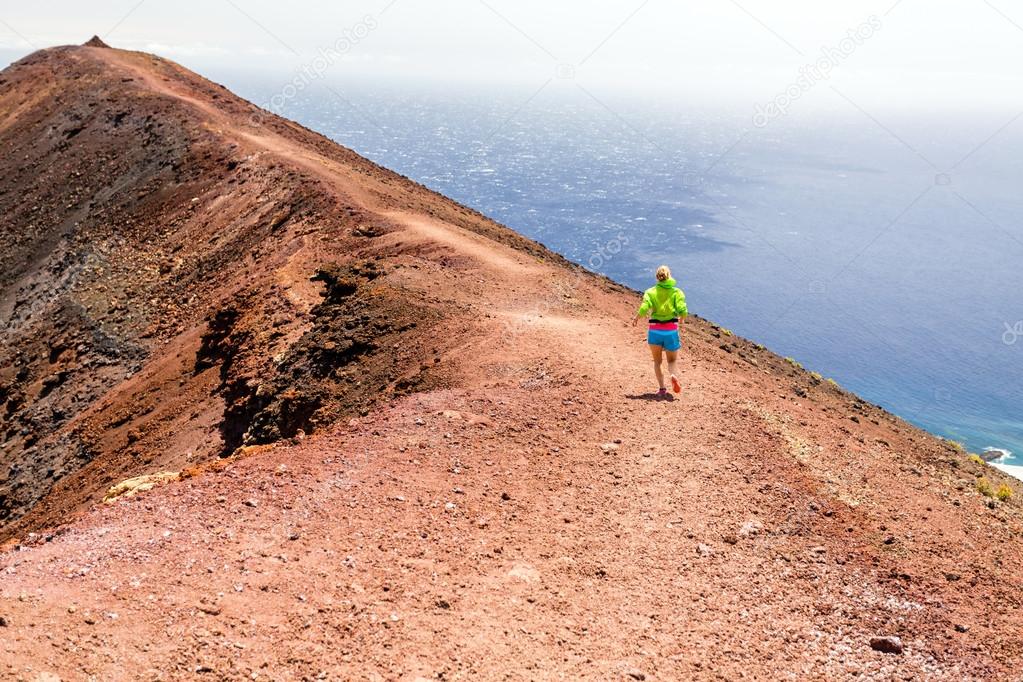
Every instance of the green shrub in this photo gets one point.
(726, 332)
(792, 362)
(984, 488)
(833, 382)
(1004, 492)
(956, 445)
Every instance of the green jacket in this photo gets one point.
(665, 301)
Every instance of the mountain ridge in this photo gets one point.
(425, 443)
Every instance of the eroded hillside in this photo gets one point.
(174, 270)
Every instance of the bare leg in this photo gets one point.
(672, 357)
(655, 351)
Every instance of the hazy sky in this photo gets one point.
(954, 54)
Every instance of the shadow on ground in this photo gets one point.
(655, 397)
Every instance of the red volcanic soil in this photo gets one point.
(408, 443)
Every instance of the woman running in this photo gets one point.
(665, 303)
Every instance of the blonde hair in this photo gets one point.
(663, 273)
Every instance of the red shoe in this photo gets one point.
(675, 385)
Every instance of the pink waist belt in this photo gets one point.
(664, 326)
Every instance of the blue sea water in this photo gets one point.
(871, 251)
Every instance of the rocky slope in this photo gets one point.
(183, 275)
(396, 440)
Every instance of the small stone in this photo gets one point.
(251, 503)
(730, 539)
(634, 674)
(449, 506)
(609, 447)
(293, 536)
(525, 573)
(962, 628)
(704, 549)
(888, 644)
(3, 622)
(751, 527)
(209, 609)
(505, 496)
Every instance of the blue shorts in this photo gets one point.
(666, 339)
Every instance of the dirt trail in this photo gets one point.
(538, 515)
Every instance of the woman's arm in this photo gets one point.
(644, 307)
(681, 309)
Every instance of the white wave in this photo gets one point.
(1002, 454)
(1011, 469)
